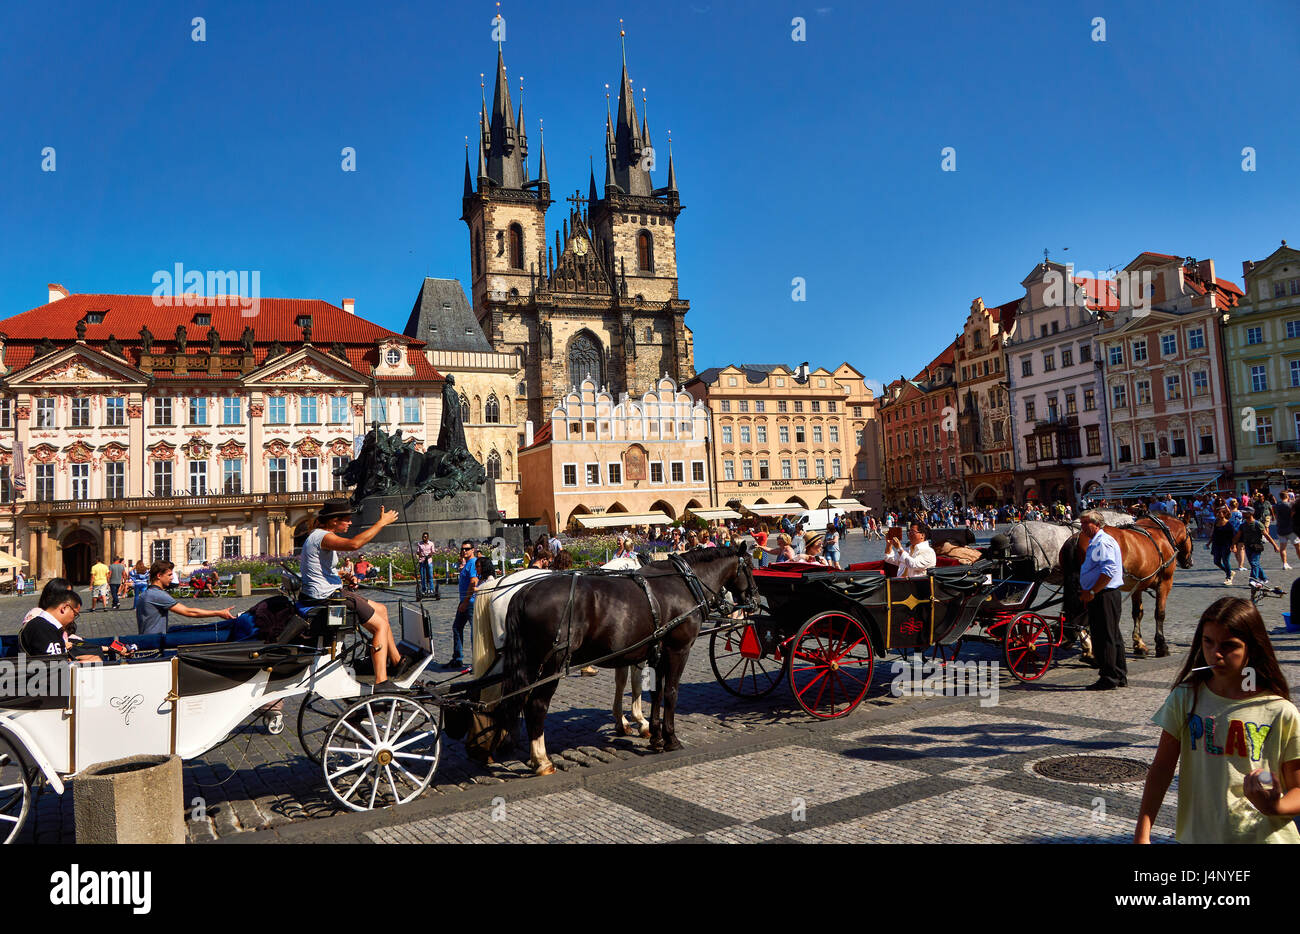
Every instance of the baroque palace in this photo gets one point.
(189, 431)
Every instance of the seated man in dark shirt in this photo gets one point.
(46, 633)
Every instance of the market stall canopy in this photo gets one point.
(9, 561)
(1179, 484)
(775, 509)
(611, 520)
(848, 505)
(711, 514)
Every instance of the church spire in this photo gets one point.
(592, 196)
(505, 153)
(672, 172)
(523, 132)
(628, 173)
(469, 184)
(541, 168)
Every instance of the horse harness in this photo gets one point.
(702, 605)
(1173, 546)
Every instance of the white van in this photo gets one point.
(816, 520)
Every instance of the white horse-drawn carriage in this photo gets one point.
(376, 749)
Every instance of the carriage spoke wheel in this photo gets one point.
(15, 792)
(731, 653)
(830, 665)
(316, 718)
(381, 751)
(1028, 646)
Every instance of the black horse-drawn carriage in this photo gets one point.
(823, 629)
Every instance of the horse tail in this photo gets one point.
(514, 653)
(1070, 565)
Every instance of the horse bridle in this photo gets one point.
(718, 601)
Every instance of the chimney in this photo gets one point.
(57, 292)
(1205, 269)
(350, 305)
(802, 372)
(528, 433)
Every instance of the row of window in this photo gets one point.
(1173, 389)
(782, 405)
(309, 411)
(789, 470)
(613, 473)
(920, 437)
(904, 474)
(1168, 347)
(1264, 428)
(1175, 445)
(165, 480)
(1066, 446)
(972, 371)
(759, 434)
(895, 416)
(1049, 359)
(196, 549)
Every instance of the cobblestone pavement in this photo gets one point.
(898, 769)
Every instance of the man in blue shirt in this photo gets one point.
(468, 580)
(1100, 579)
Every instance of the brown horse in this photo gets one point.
(1150, 548)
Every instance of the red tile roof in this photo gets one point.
(543, 435)
(1006, 313)
(1100, 292)
(275, 321)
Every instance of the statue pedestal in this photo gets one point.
(455, 518)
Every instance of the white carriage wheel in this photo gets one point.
(15, 792)
(382, 751)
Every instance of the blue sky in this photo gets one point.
(818, 159)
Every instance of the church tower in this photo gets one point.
(600, 303)
(506, 212)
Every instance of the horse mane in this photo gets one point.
(704, 555)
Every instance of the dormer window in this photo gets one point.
(393, 357)
(203, 320)
(94, 317)
(303, 321)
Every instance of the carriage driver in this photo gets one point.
(320, 581)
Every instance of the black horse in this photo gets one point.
(571, 620)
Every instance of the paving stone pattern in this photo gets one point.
(896, 770)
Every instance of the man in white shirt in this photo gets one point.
(918, 557)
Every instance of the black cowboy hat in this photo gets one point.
(335, 509)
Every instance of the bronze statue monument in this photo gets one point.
(443, 490)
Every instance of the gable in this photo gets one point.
(305, 367)
(76, 366)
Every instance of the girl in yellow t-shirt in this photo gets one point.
(1232, 731)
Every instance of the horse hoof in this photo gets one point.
(620, 730)
(1139, 651)
(645, 732)
(548, 769)
(657, 747)
(672, 745)
(1162, 651)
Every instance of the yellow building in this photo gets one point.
(783, 435)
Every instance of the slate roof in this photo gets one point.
(441, 303)
(754, 372)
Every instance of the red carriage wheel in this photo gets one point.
(830, 664)
(740, 665)
(1028, 646)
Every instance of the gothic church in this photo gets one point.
(597, 302)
